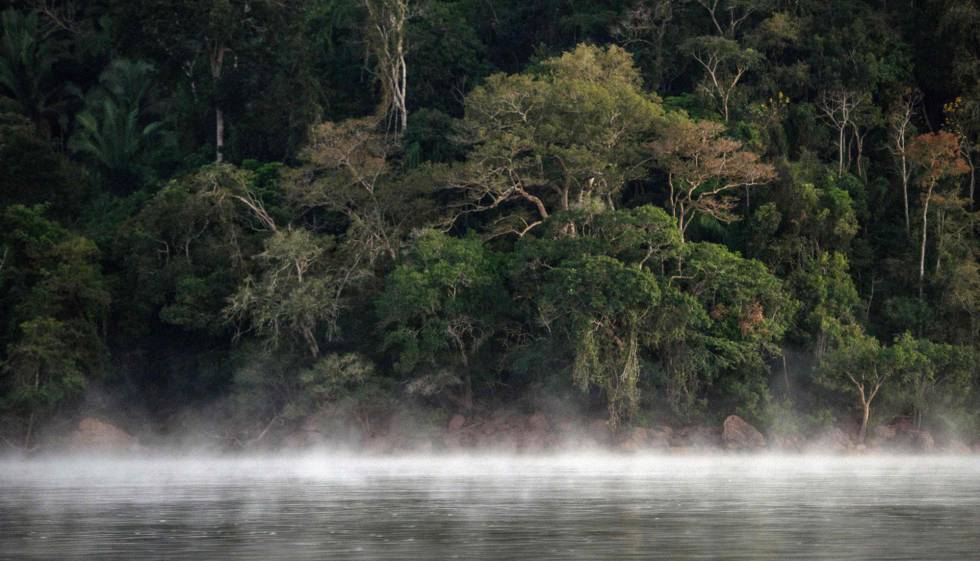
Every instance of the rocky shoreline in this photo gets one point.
(511, 432)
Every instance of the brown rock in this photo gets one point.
(922, 441)
(538, 422)
(834, 440)
(737, 434)
(635, 439)
(659, 441)
(98, 434)
(885, 432)
(457, 422)
(600, 431)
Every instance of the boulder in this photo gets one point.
(885, 433)
(97, 434)
(538, 422)
(737, 434)
(457, 422)
(834, 440)
(636, 439)
(600, 431)
(923, 441)
(659, 441)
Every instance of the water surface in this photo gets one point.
(566, 507)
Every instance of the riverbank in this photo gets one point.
(503, 431)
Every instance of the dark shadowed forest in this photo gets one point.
(239, 219)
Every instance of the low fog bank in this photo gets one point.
(159, 469)
(331, 504)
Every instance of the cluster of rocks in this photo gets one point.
(510, 431)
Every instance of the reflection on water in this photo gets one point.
(573, 507)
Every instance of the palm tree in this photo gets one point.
(27, 62)
(113, 128)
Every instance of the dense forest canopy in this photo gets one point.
(652, 209)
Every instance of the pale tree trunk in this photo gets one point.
(901, 126)
(859, 147)
(217, 64)
(840, 152)
(905, 193)
(968, 156)
(865, 416)
(866, 398)
(219, 134)
(388, 21)
(839, 108)
(922, 247)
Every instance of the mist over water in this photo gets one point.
(491, 507)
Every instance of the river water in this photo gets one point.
(562, 507)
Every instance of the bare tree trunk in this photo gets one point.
(859, 146)
(840, 151)
(905, 194)
(973, 176)
(219, 134)
(217, 64)
(865, 416)
(388, 19)
(922, 247)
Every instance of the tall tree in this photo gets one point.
(703, 169)
(115, 128)
(902, 129)
(937, 156)
(567, 134)
(725, 65)
(441, 306)
(858, 363)
(841, 107)
(387, 21)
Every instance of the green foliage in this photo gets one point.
(440, 307)
(55, 306)
(27, 67)
(35, 172)
(603, 306)
(328, 380)
(568, 133)
(46, 366)
(828, 296)
(934, 379)
(295, 297)
(113, 128)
